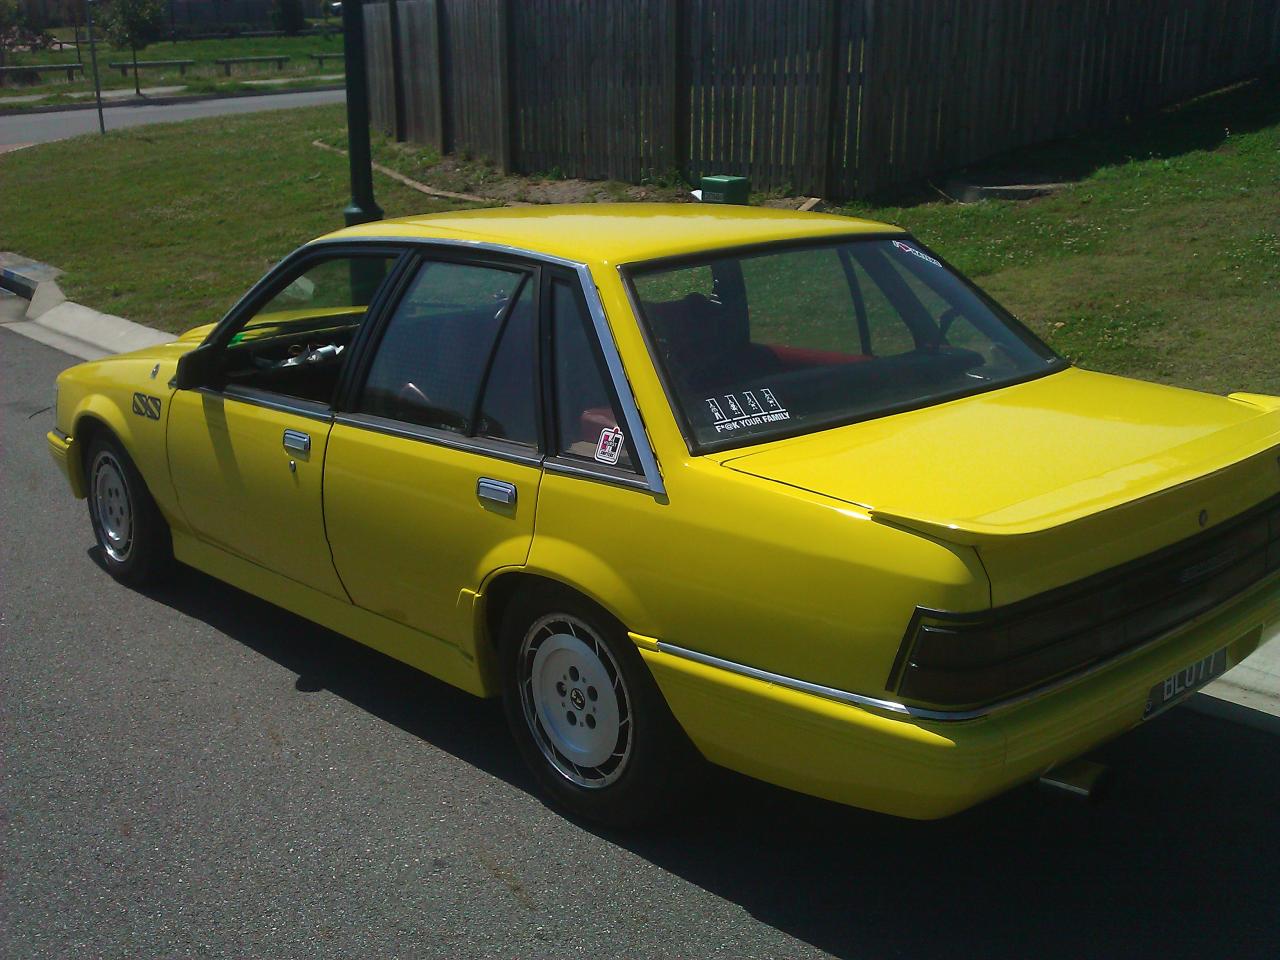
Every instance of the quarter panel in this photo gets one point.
(751, 571)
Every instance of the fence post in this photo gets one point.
(828, 78)
(502, 46)
(397, 71)
(436, 65)
(677, 89)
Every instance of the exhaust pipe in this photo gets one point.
(1079, 778)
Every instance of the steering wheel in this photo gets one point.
(326, 354)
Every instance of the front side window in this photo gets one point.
(787, 340)
(457, 354)
(296, 343)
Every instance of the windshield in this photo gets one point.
(786, 340)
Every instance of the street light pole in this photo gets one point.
(93, 55)
(362, 207)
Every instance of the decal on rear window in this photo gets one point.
(907, 248)
(746, 408)
(609, 446)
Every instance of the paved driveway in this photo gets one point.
(192, 772)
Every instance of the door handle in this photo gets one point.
(297, 442)
(496, 491)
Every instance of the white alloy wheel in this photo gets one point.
(113, 507)
(575, 701)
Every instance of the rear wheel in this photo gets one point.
(585, 712)
(129, 528)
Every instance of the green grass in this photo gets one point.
(1161, 261)
(204, 76)
(168, 224)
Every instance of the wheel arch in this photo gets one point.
(496, 597)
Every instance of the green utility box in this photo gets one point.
(724, 189)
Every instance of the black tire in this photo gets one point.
(131, 532)
(658, 765)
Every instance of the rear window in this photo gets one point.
(788, 340)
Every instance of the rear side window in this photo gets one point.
(588, 424)
(435, 352)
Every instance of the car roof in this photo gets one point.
(615, 233)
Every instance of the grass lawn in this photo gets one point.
(1161, 261)
(168, 224)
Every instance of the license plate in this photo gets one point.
(1185, 682)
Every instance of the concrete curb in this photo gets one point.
(164, 101)
(55, 321)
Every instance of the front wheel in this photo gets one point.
(586, 714)
(130, 530)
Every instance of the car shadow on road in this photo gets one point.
(1181, 859)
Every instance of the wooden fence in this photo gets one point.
(830, 97)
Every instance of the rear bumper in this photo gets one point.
(67, 457)
(925, 768)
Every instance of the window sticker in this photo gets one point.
(906, 248)
(609, 446)
(747, 408)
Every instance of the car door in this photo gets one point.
(433, 466)
(246, 449)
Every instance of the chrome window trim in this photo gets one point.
(650, 477)
(312, 410)
(485, 446)
(589, 471)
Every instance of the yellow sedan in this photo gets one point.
(782, 491)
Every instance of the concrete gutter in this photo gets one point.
(52, 319)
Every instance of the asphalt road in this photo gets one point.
(43, 127)
(195, 773)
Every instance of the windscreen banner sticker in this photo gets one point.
(747, 408)
(906, 248)
(609, 446)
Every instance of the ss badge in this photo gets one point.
(145, 406)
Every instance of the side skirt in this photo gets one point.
(420, 650)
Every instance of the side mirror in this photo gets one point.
(198, 368)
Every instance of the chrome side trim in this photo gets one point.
(817, 689)
(652, 474)
(440, 438)
(271, 401)
(64, 437)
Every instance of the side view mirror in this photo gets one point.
(198, 368)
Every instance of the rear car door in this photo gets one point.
(433, 466)
(246, 451)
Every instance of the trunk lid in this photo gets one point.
(1049, 480)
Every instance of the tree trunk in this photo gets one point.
(136, 86)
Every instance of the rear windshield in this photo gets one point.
(787, 340)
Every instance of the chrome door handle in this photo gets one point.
(496, 491)
(297, 441)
